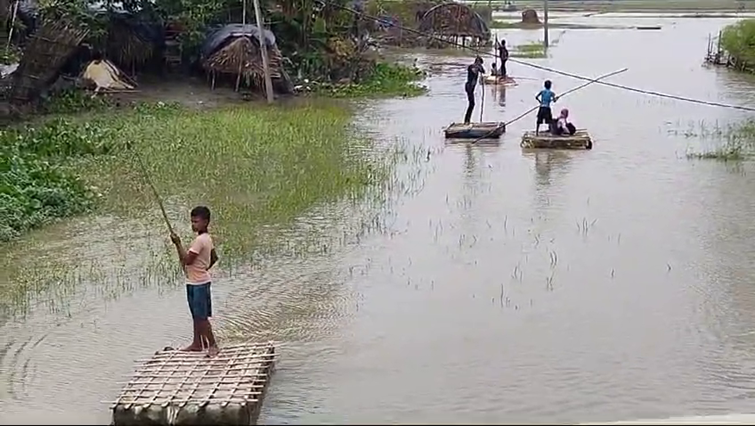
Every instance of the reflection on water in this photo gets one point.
(501, 95)
(493, 285)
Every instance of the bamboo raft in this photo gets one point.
(579, 140)
(487, 130)
(498, 81)
(190, 388)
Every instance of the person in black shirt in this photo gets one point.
(503, 53)
(473, 74)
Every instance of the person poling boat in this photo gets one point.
(196, 262)
(503, 53)
(544, 114)
(473, 74)
(562, 126)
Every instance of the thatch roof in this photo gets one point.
(241, 56)
(454, 19)
(222, 35)
(131, 42)
(49, 49)
(529, 16)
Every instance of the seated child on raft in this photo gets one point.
(561, 126)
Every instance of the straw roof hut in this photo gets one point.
(48, 50)
(529, 16)
(132, 41)
(234, 50)
(454, 20)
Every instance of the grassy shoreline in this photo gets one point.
(39, 178)
(258, 168)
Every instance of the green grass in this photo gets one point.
(739, 40)
(37, 184)
(258, 168)
(532, 50)
(732, 143)
(252, 166)
(386, 80)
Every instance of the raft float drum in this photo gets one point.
(486, 130)
(579, 140)
(189, 388)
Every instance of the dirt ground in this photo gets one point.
(191, 92)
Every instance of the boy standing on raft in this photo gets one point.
(503, 53)
(473, 74)
(196, 262)
(545, 97)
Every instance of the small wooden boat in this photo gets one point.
(486, 130)
(579, 140)
(497, 81)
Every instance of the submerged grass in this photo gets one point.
(252, 167)
(734, 142)
(531, 50)
(257, 168)
(386, 80)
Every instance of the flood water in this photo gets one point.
(497, 286)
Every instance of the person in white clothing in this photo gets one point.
(562, 126)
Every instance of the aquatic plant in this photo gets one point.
(255, 167)
(532, 50)
(73, 100)
(36, 187)
(385, 80)
(734, 141)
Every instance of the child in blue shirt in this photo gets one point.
(544, 98)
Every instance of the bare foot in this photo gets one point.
(212, 352)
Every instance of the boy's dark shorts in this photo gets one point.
(200, 300)
(544, 115)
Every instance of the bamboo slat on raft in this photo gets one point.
(180, 388)
(545, 140)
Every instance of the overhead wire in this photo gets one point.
(549, 69)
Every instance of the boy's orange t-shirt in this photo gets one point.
(197, 272)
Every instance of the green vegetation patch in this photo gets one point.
(37, 186)
(257, 167)
(386, 80)
(532, 50)
(733, 142)
(739, 40)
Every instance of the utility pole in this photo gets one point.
(263, 51)
(545, 25)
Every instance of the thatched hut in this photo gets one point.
(529, 16)
(49, 49)
(454, 22)
(234, 50)
(133, 41)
